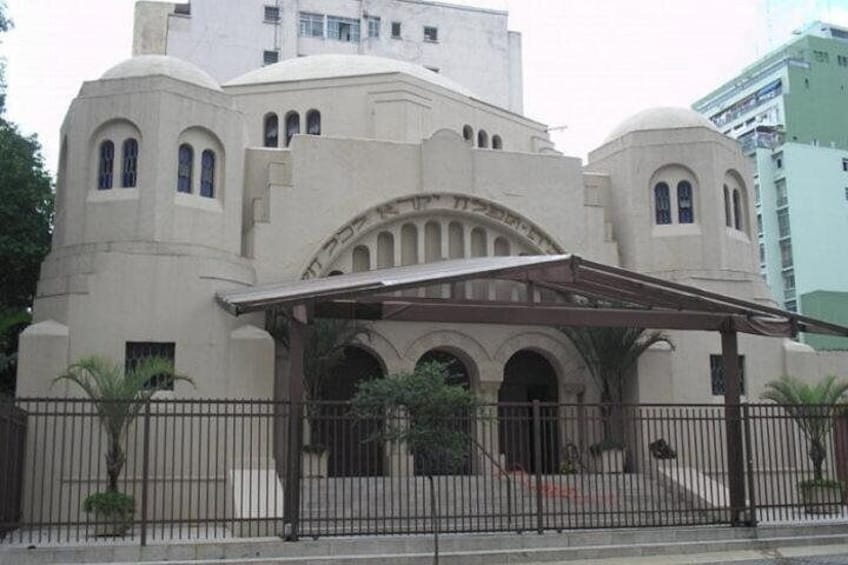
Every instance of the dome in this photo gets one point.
(335, 66)
(661, 118)
(161, 65)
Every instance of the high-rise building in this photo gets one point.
(469, 45)
(790, 112)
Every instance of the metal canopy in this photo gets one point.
(640, 300)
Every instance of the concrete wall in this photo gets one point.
(228, 39)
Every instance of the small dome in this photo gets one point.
(316, 67)
(661, 118)
(161, 65)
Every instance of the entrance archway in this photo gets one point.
(458, 374)
(344, 436)
(528, 376)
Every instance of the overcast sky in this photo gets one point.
(588, 64)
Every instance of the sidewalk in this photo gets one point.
(805, 555)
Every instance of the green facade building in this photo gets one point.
(790, 112)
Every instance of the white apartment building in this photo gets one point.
(228, 38)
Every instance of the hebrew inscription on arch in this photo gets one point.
(435, 203)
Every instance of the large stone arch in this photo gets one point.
(383, 349)
(522, 233)
(467, 349)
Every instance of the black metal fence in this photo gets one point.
(12, 437)
(209, 469)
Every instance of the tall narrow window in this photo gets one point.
(129, 168)
(685, 207)
(107, 165)
(497, 142)
(313, 122)
(272, 130)
(482, 139)
(186, 163)
(207, 174)
(737, 211)
(292, 126)
(662, 203)
(727, 219)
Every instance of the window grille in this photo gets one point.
(272, 14)
(137, 351)
(207, 174)
(783, 222)
(685, 205)
(431, 34)
(130, 163)
(186, 163)
(717, 375)
(270, 57)
(396, 30)
(662, 203)
(107, 165)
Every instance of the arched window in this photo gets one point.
(662, 203)
(497, 143)
(107, 165)
(207, 174)
(737, 211)
(468, 134)
(685, 206)
(292, 126)
(186, 164)
(482, 139)
(271, 132)
(727, 220)
(130, 163)
(313, 122)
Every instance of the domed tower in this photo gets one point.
(681, 198)
(148, 226)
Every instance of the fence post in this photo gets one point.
(145, 472)
(749, 460)
(537, 462)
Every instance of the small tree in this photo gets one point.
(430, 429)
(118, 397)
(609, 355)
(812, 407)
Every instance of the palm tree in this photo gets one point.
(118, 397)
(609, 354)
(812, 407)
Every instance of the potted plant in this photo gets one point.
(609, 455)
(314, 462)
(118, 395)
(812, 407)
(609, 355)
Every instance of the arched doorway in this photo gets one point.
(528, 376)
(457, 375)
(344, 436)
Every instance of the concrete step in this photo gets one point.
(455, 549)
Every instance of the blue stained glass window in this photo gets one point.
(313, 122)
(186, 163)
(130, 164)
(685, 207)
(662, 203)
(207, 174)
(292, 126)
(107, 165)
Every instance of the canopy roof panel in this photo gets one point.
(592, 294)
